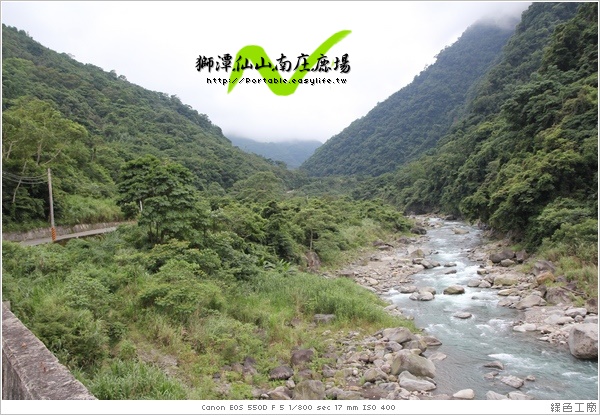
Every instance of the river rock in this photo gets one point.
(504, 281)
(564, 320)
(474, 282)
(507, 263)
(493, 396)
(398, 334)
(280, 393)
(437, 356)
(281, 373)
(583, 341)
(450, 264)
(495, 365)
(393, 346)
(542, 266)
(557, 295)
(432, 341)
(521, 256)
(301, 357)
(463, 315)
(422, 296)
(452, 271)
(497, 257)
(309, 390)
(513, 381)
(592, 305)
(417, 253)
(429, 290)
(545, 278)
(454, 289)
(373, 374)
(519, 396)
(525, 327)
(416, 343)
(572, 312)
(412, 383)
(407, 289)
(529, 301)
(419, 230)
(464, 394)
(417, 365)
(484, 284)
(348, 396)
(460, 231)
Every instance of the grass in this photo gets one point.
(577, 262)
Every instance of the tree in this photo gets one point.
(162, 195)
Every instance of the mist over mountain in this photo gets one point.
(412, 120)
(291, 152)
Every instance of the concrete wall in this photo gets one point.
(30, 370)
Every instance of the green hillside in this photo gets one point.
(413, 119)
(523, 160)
(84, 122)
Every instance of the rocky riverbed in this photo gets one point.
(397, 364)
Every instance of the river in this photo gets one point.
(487, 336)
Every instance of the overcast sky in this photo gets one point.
(155, 45)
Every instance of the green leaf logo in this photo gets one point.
(257, 54)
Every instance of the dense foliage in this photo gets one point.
(526, 161)
(84, 123)
(115, 308)
(413, 119)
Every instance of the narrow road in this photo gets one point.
(41, 241)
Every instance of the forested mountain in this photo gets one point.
(413, 119)
(524, 159)
(84, 123)
(293, 153)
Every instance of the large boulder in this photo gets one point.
(464, 394)
(576, 311)
(505, 281)
(543, 266)
(583, 341)
(557, 295)
(497, 257)
(513, 381)
(374, 374)
(422, 296)
(529, 301)
(281, 373)
(280, 393)
(398, 334)
(494, 396)
(592, 305)
(301, 357)
(417, 253)
(417, 365)
(309, 390)
(412, 383)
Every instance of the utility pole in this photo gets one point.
(52, 228)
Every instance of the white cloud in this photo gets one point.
(155, 44)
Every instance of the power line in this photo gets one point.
(24, 179)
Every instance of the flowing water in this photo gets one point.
(488, 335)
